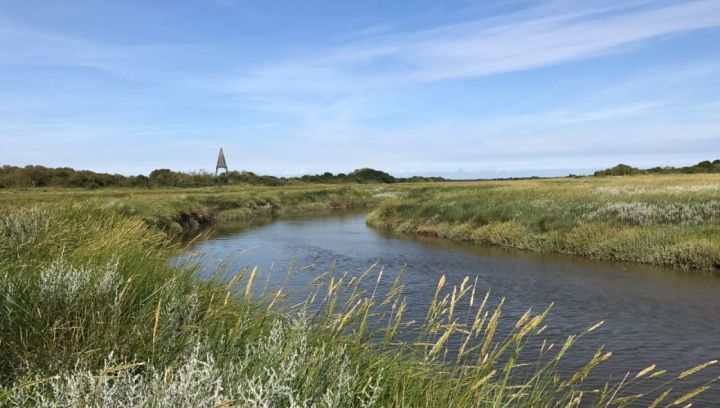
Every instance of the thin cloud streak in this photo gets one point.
(473, 49)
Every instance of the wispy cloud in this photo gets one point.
(27, 45)
(24, 45)
(477, 48)
(375, 57)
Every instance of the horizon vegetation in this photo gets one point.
(41, 176)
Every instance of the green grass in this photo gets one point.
(668, 220)
(177, 210)
(93, 314)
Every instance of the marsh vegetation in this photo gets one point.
(94, 315)
(668, 220)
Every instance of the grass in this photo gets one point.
(93, 314)
(668, 220)
(176, 210)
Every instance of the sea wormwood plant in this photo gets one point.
(643, 213)
(21, 226)
(271, 373)
(63, 285)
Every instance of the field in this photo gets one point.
(668, 220)
(94, 315)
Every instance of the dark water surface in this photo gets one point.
(652, 315)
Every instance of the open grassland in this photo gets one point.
(669, 220)
(92, 314)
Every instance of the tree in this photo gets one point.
(619, 170)
(163, 177)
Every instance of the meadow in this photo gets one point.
(93, 314)
(667, 220)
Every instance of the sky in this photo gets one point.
(461, 88)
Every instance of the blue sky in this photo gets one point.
(458, 88)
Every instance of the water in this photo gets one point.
(652, 315)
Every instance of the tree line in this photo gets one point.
(40, 176)
(705, 166)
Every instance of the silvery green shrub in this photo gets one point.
(271, 372)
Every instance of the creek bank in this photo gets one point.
(190, 222)
(665, 245)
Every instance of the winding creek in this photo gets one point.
(652, 315)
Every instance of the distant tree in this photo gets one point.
(705, 163)
(138, 181)
(37, 176)
(619, 170)
(163, 178)
(367, 175)
(705, 166)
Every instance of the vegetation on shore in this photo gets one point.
(705, 166)
(93, 315)
(178, 211)
(668, 220)
(39, 176)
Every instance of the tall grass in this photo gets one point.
(92, 314)
(176, 210)
(663, 220)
